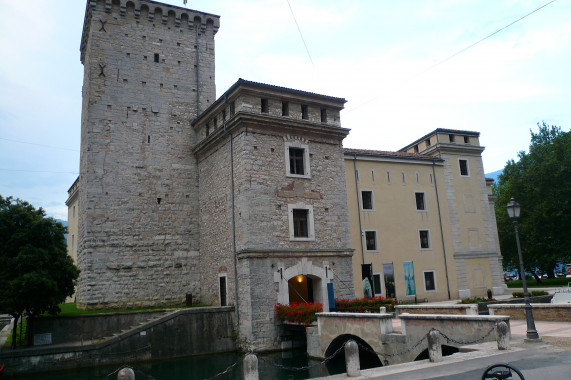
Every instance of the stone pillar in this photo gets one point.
(126, 374)
(434, 347)
(503, 336)
(251, 367)
(352, 359)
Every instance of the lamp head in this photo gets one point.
(513, 208)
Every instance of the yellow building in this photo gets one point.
(72, 204)
(422, 219)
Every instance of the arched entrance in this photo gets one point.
(367, 357)
(303, 282)
(300, 289)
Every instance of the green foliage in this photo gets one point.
(36, 273)
(546, 282)
(365, 305)
(541, 183)
(533, 293)
(474, 300)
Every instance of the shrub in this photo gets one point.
(475, 300)
(533, 293)
(303, 312)
(364, 305)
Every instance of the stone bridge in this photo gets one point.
(374, 332)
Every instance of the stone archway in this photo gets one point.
(319, 278)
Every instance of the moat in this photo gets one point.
(204, 367)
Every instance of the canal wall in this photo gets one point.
(176, 334)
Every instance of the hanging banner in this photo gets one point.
(409, 278)
(389, 275)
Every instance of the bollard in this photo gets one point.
(434, 347)
(251, 367)
(383, 310)
(352, 359)
(126, 374)
(502, 336)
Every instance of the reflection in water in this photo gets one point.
(203, 367)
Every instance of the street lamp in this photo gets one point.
(514, 210)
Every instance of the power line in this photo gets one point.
(300, 34)
(457, 53)
(44, 146)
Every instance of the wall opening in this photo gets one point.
(301, 289)
(367, 357)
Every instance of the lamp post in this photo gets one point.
(514, 210)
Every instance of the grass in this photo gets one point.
(68, 309)
(545, 283)
(21, 322)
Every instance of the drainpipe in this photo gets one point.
(441, 230)
(197, 72)
(236, 307)
(358, 207)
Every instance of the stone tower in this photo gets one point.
(148, 71)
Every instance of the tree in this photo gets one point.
(541, 182)
(36, 273)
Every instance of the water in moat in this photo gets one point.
(204, 367)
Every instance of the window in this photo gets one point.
(223, 116)
(323, 115)
(215, 122)
(304, 112)
(427, 141)
(367, 203)
(377, 284)
(301, 222)
(371, 241)
(156, 58)
(416, 149)
(223, 289)
(72, 241)
(207, 129)
(265, 106)
(420, 201)
(424, 236)
(466, 140)
(429, 281)
(464, 170)
(451, 138)
(285, 109)
(232, 109)
(297, 160)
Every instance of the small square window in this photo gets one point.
(304, 112)
(300, 227)
(377, 284)
(370, 240)
(464, 170)
(367, 200)
(296, 156)
(420, 201)
(301, 222)
(285, 109)
(265, 106)
(429, 281)
(323, 115)
(424, 236)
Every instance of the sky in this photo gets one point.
(388, 58)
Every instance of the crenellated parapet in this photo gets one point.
(148, 11)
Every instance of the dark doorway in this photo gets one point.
(300, 289)
(223, 300)
(367, 357)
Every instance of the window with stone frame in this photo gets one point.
(424, 236)
(371, 240)
(420, 201)
(464, 168)
(367, 201)
(297, 160)
(429, 281)
(301, 222)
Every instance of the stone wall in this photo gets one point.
(437, 309)
(182, 333)
(138, 213)
(541, 312)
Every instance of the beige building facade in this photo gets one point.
(422, 219)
